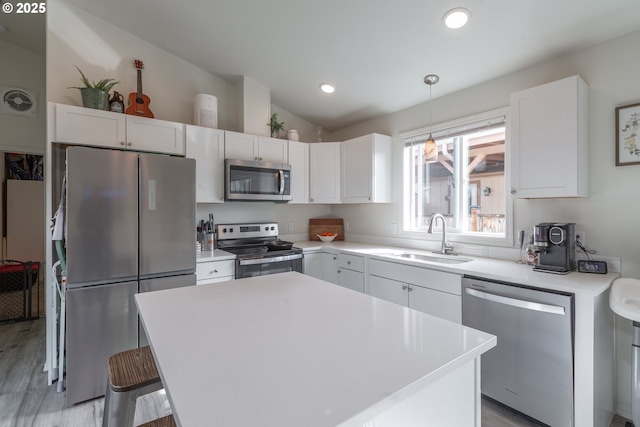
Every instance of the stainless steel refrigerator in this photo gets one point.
(130, 227)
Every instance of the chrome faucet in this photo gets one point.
(446, 247)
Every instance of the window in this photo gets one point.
(466, 183)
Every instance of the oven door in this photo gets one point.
(248, 180)
(252, 267)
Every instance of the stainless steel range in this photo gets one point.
(258, 249)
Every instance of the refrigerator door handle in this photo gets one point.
(528, 305)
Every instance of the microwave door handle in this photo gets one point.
(281, 172)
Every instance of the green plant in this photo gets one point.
(275, 126)
(103, 85)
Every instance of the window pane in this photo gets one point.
(466, 184)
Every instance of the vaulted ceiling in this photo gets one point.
(376, 52)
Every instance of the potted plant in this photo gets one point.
(275, 126)
(95, 95)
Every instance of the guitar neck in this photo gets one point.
(139, 93)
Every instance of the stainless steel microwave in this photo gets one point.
(257, 181)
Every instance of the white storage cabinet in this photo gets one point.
(206, 146)
(299, 161)
(341, 269)
(366, 169)
(549, 140)
(215, 271)
(242, 146)
(324, 172)
(430, 291)
(87, 126)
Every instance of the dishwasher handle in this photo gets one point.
(514, 302)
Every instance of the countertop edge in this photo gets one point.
(487, 268)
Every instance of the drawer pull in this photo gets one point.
(214, 271)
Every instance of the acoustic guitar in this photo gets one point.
(138, 101)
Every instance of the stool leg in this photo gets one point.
(635, 374)
(120, 409)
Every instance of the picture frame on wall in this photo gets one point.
(628, 135)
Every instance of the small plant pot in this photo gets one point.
(95, 98)
(275, 134)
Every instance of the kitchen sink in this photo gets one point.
(441, 260)
(444, 259)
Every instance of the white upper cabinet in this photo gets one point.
(299, 161)
(206, 146)
(366, 169)
(549, 140)
(148, 134)
(87, 126)
(242, 146)
(324, 172)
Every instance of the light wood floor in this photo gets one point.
(26, 400)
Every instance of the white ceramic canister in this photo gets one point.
(292, 135)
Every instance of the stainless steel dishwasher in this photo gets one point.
(531, 368)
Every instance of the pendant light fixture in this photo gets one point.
(430, 151)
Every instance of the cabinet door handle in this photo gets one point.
(404, 288)
(348, 262)
(339, 271)
(513, 191)
(409, 288)
(213, 272)
(121, 142)
(129, 144)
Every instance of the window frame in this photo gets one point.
(454, 235)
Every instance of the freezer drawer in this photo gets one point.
(531, 368)
(101, 321)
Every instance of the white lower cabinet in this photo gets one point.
(215, 271)
(341, 269)
(314, 264)
(430, 291)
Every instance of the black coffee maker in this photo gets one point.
(555, 243)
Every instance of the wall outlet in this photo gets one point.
(394, 228)
(290, 226)
(346, 226)
(580, 237)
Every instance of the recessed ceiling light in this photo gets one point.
(327, 88)
(456, 18)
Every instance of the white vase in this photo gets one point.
(292, 135)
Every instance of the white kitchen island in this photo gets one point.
(291, 350)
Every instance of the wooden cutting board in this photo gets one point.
(326, 225)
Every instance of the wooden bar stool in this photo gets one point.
(167, 421)
(132, 373)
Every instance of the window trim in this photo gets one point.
(460, 237)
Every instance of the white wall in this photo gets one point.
(283, 214)
(102, 50)
(22, 68)
(609, 217)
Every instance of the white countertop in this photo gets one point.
(214, 255)
(292, 350)
(490, 268)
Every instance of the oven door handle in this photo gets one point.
(281, 173)
(514, 302)
(253, 261)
